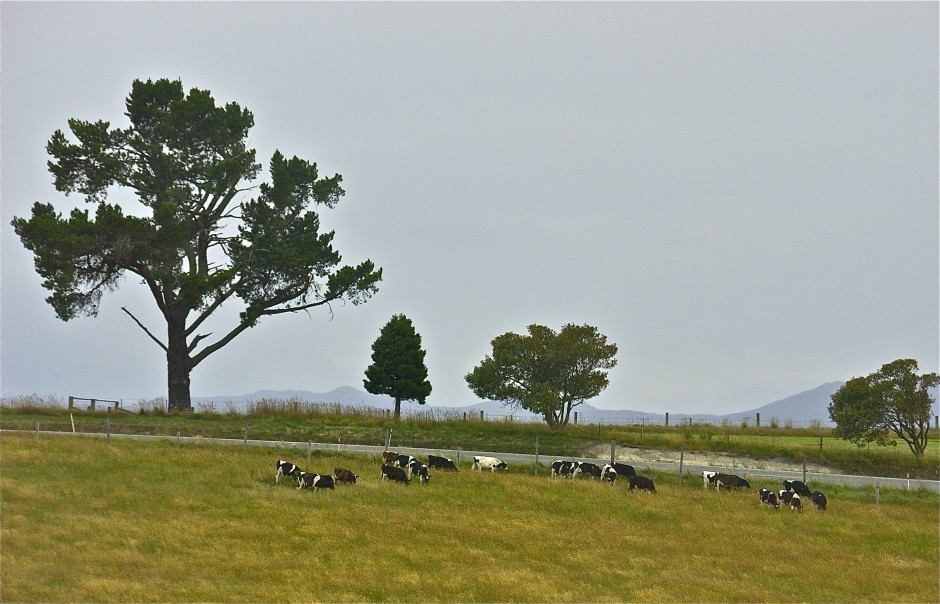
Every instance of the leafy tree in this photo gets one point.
(186, 160)
(545, 372)
(398, 368)
(893, 400)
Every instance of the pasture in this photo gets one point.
(84, 520)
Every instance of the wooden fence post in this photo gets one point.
(681, 459)
(177, 439)
(804, 470)
(613, 447)
(667, 419)
(93, 401)
(877, 493)
(109, 425)
(758, 420)
(71, 402)
(536, 454)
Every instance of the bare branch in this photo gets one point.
(147, 331)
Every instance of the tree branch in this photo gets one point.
(147, 331)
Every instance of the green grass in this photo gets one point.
(297, 421)
(88, 521)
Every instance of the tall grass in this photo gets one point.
(88, 521)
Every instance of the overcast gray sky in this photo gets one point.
(742, 196)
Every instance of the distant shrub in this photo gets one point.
(774, 423)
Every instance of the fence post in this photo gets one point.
(575, 418)
(690, 422)
(667, 419)
(109, 424)
(820, 443)
(536, 454)
(804, 470)
(681, 459)
(37, 429)
(309, 449)
(877, 493)
(177, 439)
(93, 401)
(481, 415)
(71, 402)
(757, 422)
(613, 447)
(642, 425)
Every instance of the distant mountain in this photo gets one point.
(801, 409)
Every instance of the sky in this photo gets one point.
(742, 196)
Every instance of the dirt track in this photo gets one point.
(642, 454)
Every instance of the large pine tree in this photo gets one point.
(398, 368)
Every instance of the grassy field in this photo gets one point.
(293, 421)
(88, 521)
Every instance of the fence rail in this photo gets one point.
(534, 459)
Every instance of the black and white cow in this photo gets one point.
(819, 500)
(772, 501)
(708, 478)
(309, 480)
(768, 497)
(394, 473)
(608, 473)
(785, 496)
(566, 469)
(344, 475)
(443, 463)
(641, 482)
(624, 469)
(285, 468)
(763, 494)
(404, 462)
(730, 481)
(795, 503)
(488, 463)
(556, 466)
(420, 470)
(797, 486)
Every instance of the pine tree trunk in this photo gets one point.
(397, 408)
(178, 366)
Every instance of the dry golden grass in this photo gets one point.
(87, 521)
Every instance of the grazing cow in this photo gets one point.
(420, 470)
(285, 468)
(591, 469)
(309, 480)
(394, 473)
(819, 500)
(623, 469)
(795, 503)
(763, 494)
(641, 482)
(772, 500)
(608, 473)
(567, 469)
(730, 481)
(404, 462)
(344, 475)
(785, 496)
(389, 457)
(442, 463)
(708, 478)
(556, 466)
(488, 463)
(797, 486)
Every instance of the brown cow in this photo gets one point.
(730, 481)
(344, 475)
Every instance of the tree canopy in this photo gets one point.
(546, 372)
(398, 368)
(891, 401)
(186, 160)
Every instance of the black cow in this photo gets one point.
(623, 469)
(344, 475)
(442, 463)
(797, 486)
(315, 481)
(591, 469)
(730, 481)
(641, 482)
(420, 470)
(285, 468)
(394, 473)
(819, 500)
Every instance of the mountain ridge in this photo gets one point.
(801, 409)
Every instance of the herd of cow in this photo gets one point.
(789, 496)
(405, 468)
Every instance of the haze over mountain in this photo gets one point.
(800, 409)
